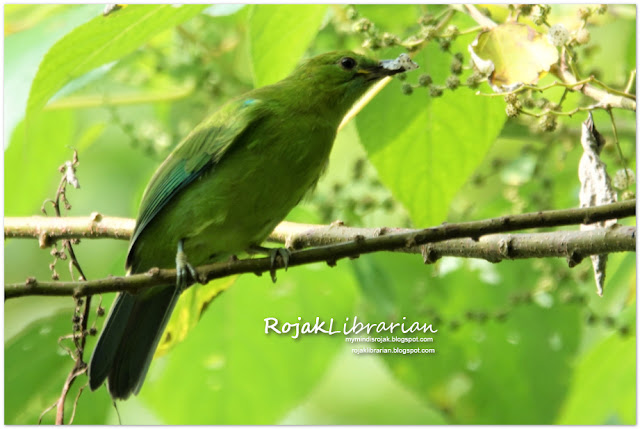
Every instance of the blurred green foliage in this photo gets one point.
(524, 342)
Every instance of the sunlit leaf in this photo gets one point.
(188, 311)
(31, 165)
(519, 53)
(278, 36)
(243, 375)
(603, 389)
(99, 41)
(425, 148)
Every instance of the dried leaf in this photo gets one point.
(595, 189)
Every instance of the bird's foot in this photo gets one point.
(273, 254)
(184, 268)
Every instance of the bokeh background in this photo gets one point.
(520, 342)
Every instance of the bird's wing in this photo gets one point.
(201, 150)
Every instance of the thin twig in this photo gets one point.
(481, 19)
(623, 161)
(79, 326)
(632, 79)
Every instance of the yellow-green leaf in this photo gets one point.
(189, 309)
(519, 53)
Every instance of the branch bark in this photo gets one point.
(49, 229)
(470, 239)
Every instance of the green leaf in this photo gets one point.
(31, 165)
(243, 375)
(278, 37)
(24, 50)
(603, 390)
(100, 41)
(489, 370)
(425, 149)
(37, 369)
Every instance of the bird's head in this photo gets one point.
(340, 78)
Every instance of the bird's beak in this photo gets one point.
(390, 67)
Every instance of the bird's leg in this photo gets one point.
(183, 267)
(273, 255)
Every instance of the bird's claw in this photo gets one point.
(273, 254)
(284, 254)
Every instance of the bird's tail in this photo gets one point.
(129, 339)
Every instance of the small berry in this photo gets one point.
(456, 67)
(425, 80)
(584, 13)
(529, 102)
(407, 89)
(352, 14)
(601, 9)
(548, 123)
(453, 82)
(445, 44)
(540, 15)
(624, 178)
(512, 111)
(426, 19)
(525, 9)
(401, 76)
(474, 80)
(628, 195)
(389, 39)
(372, 43)
(558, 35)
(452, 31)
(583, 36)
(363, 25)
(434, 91)
(458, 56)
(511, 98)
(429, 32)
(538, 19)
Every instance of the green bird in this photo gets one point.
(221, 192)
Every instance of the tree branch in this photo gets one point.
(603, 97)
(337, 242)
(49, 229)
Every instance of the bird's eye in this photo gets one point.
(347, 63)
